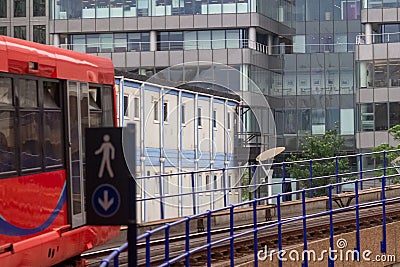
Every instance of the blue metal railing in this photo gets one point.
(254, 231)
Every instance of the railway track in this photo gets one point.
(292, 234)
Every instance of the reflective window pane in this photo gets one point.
(39, 8)
(107, 106)
(3, 9)
(53, 145)
(5, 91)
(27, 93)
(29, 140)
(381, 116)
(19, 8)
(39, 34)
(7, 144)
(20, 32)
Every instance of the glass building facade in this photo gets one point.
(300, 53)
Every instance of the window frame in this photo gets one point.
(41, 111)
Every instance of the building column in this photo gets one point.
(252, 37)
(368, 33)
(270, 42)
(56, 40)
(153, 41)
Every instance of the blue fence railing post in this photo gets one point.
(311, 175)
(116, 260)
(384, 163)
(383, 199)
(361, 171)
(283, 177)
(193, 194)
(255, 182)
(331, 262)
(209, 238)
(278, 206)
(148, 249)
(167, 226)
(224, 186)
(161, 197)
(232, 241)
(255, 233)
(357, 221)
(304, 215)
(187, 241)
(337, 174)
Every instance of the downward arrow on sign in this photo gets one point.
(105, 203)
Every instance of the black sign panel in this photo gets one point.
(109, 183)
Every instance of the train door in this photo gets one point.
(78, 121)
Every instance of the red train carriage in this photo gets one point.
(48, 97)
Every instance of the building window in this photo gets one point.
(199, 182)
(215, 119)
(3, 30)
(199, 117)
(126, 104)
(394, 114)
(165, 112)
(155, 107)
(39, 8)
(366, 117)
(381, 112)
(229, 183)
(20, 32)
(208, 182)
(136, 102)
(20, 8)
(79, 43)
(165, 185)
(183, 114)
(215, 185)
(3, 8)
(229, 121)
(39, 34)
(139, 41)
(170, 41)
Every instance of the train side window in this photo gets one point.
(51, 95)
(52, 124)
(27, 93)
(53, 145)
(31, 155)
(5, 91)
(7, 142)
(29, 124)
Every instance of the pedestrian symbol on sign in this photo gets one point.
(108, 151)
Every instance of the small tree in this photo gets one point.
(390, 156)
(316, 147)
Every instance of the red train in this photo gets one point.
(48, 97)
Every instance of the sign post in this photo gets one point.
(110, 185)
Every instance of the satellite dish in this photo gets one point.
(270, 153)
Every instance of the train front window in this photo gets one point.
(101, 106)
(95, 106)
(107, 106)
